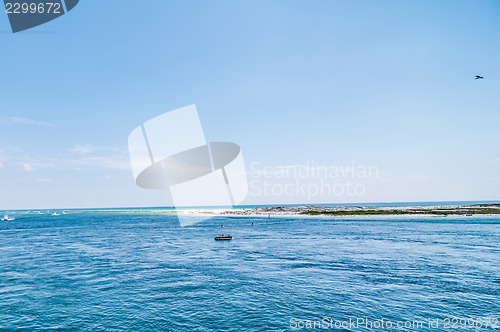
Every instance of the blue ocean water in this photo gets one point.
(134, 271)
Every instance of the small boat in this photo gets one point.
(223, 237)
(55, 214)
(5, 218)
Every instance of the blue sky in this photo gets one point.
(384, 83)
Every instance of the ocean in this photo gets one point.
(128, 271)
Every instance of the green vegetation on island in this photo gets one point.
(374, 212)
(478, 209)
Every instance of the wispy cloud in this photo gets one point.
(118, 162)
(83, 149)
(26, 121)
(28, 167)
(3, 157)
(89, 157)
(91, 149)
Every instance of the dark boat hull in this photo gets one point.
(223, 238)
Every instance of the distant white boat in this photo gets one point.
(223, 237)
(5, 218)
(55, 214)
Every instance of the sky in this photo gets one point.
(383, 88)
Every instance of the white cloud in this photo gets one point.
(89, 148)
(108, 158)
(3, 158)
(83, 149)
(27, 121)
(110, 162)
(117, 162)
(27, 167)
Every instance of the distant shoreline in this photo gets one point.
(307, 211)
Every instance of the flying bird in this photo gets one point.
(479, 77)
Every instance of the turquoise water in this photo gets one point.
(105, 271)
